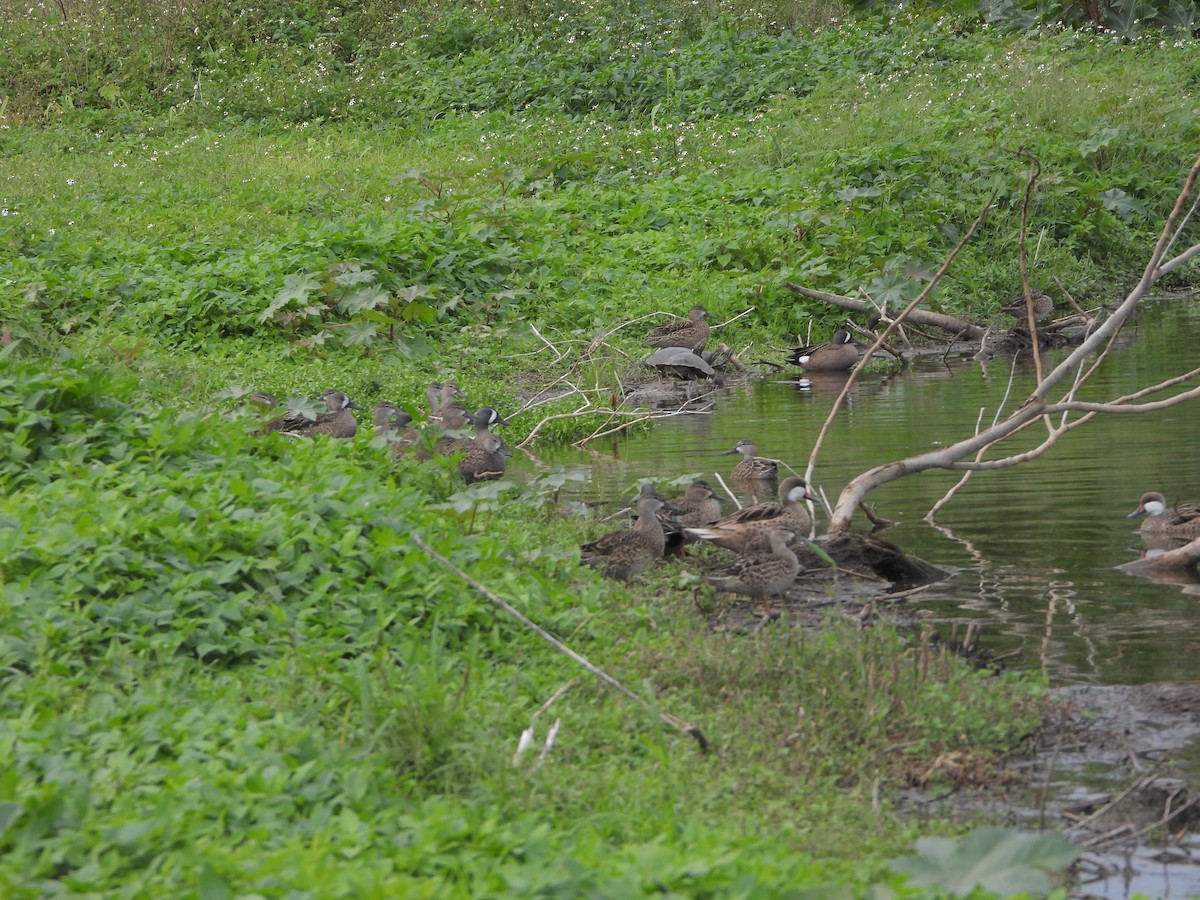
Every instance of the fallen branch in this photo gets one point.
(919, 316)
(1185, 557)
(666, 718)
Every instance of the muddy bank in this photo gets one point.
(1116, 770)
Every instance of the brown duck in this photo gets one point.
(395, 424)
(1180, 521)
(697, 507)
(623, 554)
(484, 458)
(837, 355)
(1043, 305)
(691, 334)
(760, 575)
(337, 421)
(439, 394)
(752, 466)
(455, 418)
(750, 525)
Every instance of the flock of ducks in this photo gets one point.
(759, 534)
(448, 428)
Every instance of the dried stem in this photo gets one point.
(666, 718)
(892, 326)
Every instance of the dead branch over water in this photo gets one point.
(1074, 370)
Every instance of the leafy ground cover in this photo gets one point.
(227, 668)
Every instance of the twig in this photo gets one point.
(666, 718)
(582, 411)
(557, 354)
(725, 488)
(949, 495)
(1035, 169)
(879, 341)
(642, 417)
(744, 312)
(600, 339)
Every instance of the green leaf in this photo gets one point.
(355, 276)
(359, 334)
(1124, 206)
(211, 885)
(371, 297)
(296, 290)
(995, 859)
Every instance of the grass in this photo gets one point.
(227, 670)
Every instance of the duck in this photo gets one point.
(691, 334)
(389, 417)
(394, 424)
(838, 355)
(440, 394)
(484, 458)
(1181, 520)
(697, 507)
(760, 575)
(337, 421)
(455, 418)
(262, 401)
(623, 554)
(742, 530)
(1042, 306)
(752, 466)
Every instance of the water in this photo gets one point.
(1033, 549)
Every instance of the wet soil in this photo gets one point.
(1115, 768)
(1117, 771)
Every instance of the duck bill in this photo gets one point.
(1137, 512)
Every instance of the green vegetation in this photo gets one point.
(227, 670)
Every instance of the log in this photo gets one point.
(1181, 558)
(956, 327)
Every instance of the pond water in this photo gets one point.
(1033, 549)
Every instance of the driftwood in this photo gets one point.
(951, 324)
(1185, 557)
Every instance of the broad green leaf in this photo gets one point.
(995, 859)
(1122, 204)
(371, 297)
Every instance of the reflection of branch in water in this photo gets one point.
(982, 564)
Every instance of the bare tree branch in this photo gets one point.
(895, 324)
(952, 456)
(666, 718)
